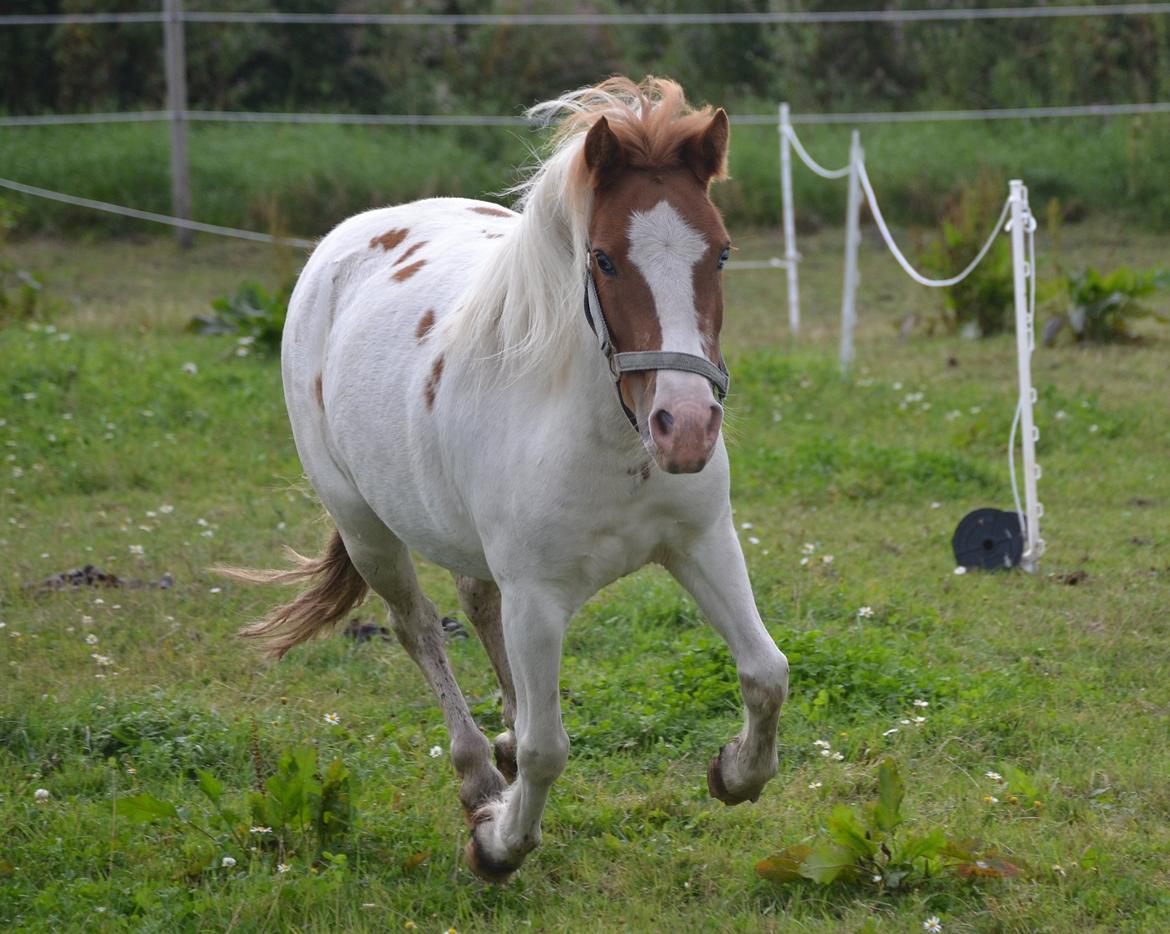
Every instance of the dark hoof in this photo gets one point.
(719, 790)
(484, 867)
(505, 746)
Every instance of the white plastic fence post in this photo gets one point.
(1021, 221)
(791, 256)
(852, 241)
(176, 61)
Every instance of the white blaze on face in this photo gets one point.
(665, 248)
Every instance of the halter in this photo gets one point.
(640, 360)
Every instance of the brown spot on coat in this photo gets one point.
(390, 239)
(409, 253)
(320, 390)
(432, 385)
(425, 323)
(492, 212)
(407, 271)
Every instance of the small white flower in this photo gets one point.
(91, 639)
(752, 540)
(333, 719)
(865, 612)
(807, 548)
(994, 776)
(960, 570)
(435, 752)
(877, 878)
(104, 661)
(890, 731)
(904, 722)
(826, 753)
(991, 799)
(41, 794)
(936, 505)
(1056, 867)
(813, 786)
(826, 559)
(216, 590)
(838, 757)
(227, 862)
(166, 509)
(261, 830)
(803, 562)
(932, 925)
(190, 368)
(1093, 429)
(282, 867)
(822, 743)
(981, 864)
(1060, 415)
(920, 719)
(921, 703)
(136, 550)
(745, 525)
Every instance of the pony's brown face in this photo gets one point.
(658, 247)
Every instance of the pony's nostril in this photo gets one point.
(665, 421)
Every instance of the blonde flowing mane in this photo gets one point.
(520, 312)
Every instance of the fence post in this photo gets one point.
(852, 241)
(176, 63)
(791, 256)
(1021, 223)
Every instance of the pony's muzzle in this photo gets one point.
(684, 434)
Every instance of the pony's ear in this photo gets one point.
(706, 152)
(603, 152)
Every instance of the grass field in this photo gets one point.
(134, 446)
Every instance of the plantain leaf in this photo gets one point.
(826, 862)
(784, 867)
(888, 813)
(845, 828)
(210, 786)
(143, 808)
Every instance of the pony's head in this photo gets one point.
(656, 247)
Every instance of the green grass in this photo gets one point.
(302, 180)
(1068, 684)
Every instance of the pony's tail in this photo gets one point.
(337, 589)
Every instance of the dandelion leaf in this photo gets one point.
(784, 867)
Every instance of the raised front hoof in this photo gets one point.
(481, 863)
(505, 746)
(718, 787)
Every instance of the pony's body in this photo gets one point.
(447, 395)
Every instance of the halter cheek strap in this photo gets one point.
(641, 360)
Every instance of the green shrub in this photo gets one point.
(251, 311)
(1102, 308)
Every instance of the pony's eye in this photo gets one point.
(724, 256)
(604, 263)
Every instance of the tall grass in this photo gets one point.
(303, 179)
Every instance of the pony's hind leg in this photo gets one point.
(386, 565)
(481, 602)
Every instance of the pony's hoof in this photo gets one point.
(505, 746)
(475, 792)
(718, 788)
(481, 863)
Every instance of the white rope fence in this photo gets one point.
(180, 223)
(795, 17)
(813, 165)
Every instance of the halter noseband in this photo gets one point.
(640, 360)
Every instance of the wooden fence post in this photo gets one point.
(176, 61)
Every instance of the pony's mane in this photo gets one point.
(521, 309)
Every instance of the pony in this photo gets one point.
(531, 399)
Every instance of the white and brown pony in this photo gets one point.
(450, 370)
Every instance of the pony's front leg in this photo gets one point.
(507, 829)
(712, 569)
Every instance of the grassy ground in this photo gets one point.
(118, 452)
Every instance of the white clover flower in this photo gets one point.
(904, 722)
(333, 719)
(960, 570)
(435, 752)
(994, 776)
(752, 540)
(920, 719)
(822, 743)
(865, 612)
(826, 753)
(104, 661)
(228, 862)
(41, 795)
(807, 548)
(890, 731)
(813, 786)
(921, 703)
(282, 867)
(936, 505)
(91, 639)
(803, 562)
(877, 878)
(826, 559)
(166, 509)
(136, 550)
(932, 925)
(838, 757)
(1060, 415)
(189, 368)
(1093, 429)
(745, 525)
